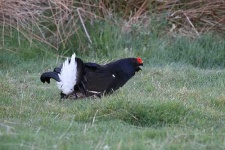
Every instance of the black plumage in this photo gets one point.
(97, 80)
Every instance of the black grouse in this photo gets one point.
(78, 79)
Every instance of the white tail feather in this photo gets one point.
(68, 76)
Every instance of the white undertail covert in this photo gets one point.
(68, 75)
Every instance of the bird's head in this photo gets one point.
(138, 63)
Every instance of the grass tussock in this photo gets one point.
(136, 113)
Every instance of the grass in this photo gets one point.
(176, 102)
(172, 104)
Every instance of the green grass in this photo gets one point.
(173, 106)
(176, 102)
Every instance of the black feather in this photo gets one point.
(45, 77)
(110, 77)
(93, 66)
(96, 80)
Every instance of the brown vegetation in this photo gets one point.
(54, 21)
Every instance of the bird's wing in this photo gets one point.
(98, 80)
(92, 66)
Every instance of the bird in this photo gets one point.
(78, 79)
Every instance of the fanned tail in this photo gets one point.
(68, 76)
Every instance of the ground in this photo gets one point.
(169, 106)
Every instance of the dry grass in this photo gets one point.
(195, 16)
(48, 21)
(55, 21)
